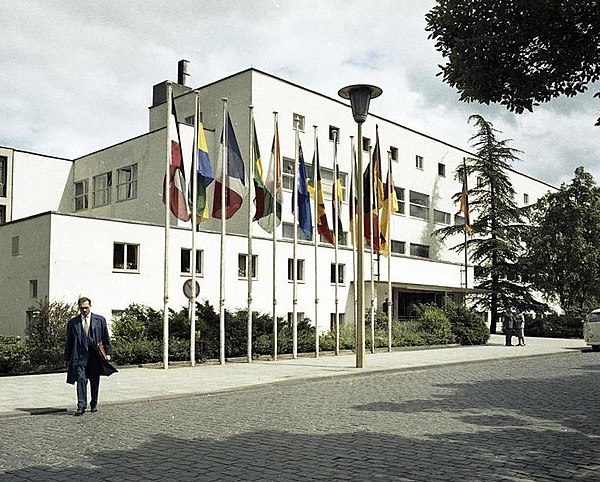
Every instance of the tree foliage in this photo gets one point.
(496, 221)
(517, 53)
(563, 247)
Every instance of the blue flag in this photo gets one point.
(304, 212)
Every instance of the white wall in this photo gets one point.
(37, 183)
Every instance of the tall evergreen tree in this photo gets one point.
(496, 221)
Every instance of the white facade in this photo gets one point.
(71, 233)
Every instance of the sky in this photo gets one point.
(77, 76)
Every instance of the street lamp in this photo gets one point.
(360, 97)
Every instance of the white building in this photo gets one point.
(94, 226)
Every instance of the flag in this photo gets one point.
(353, 204)
(315, 188)
(336, 202)
(464, 201)
(273, 200)
(177, 186)
(389, 206)
(371, 215)
(260, 191)
(377, 175)
(304, 214)
(234, 179)
(203, 177)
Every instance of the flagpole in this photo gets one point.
(465, 226)
(388, 240)
(194, 181)
(371, 251)
(224, 157)
(354, 227)
(295, 248)
(336, 217)
(316, 239)
(249, 259)
(275, 175)
(167, 189)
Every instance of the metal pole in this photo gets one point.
(360, 287)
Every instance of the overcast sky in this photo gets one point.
(78, 75)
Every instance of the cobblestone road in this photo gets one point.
(522, 419)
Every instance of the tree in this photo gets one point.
(563, 252)
(497, 224)
(517, 52)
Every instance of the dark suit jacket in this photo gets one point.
(78, 351)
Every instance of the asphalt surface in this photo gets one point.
(471, 413)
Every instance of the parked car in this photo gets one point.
(591, 330)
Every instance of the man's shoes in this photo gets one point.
(93, 409)
(79, 411)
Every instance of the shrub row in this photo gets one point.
(138, 335)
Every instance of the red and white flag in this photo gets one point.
(177, 186)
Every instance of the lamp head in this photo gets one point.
(360, 95)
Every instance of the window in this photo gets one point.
(526, 198)
(290, 317)
(341, 269)
(441, 217)
(2, 214)
(341, 320)
(102, 186)
(366, 143)
(398, 247)
(299, 269)
(420, 250)
(400, 197)
(287, 176)
(3, 175)
(394, 153)
(125, 256)
(81, 195)
(243, 266)
(342, 238)
(33, 288)
(186, 260)
(419, 205)
(459, 220)
(479, 181)
(419, 162)
(334, 134)
(441, 169)
(288, 232)
(127, 182)
(14, 250)
(298, 122)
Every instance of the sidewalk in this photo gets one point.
(33, 394)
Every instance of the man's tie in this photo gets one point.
(86, 325)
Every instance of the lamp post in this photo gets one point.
(360, 97)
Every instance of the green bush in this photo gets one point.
(435, 324)
(46, 334)
(136, 352)
(14, 355)
(468, 327)
(555, 326)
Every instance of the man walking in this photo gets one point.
(86, 353)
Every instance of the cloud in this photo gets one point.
(78, 76)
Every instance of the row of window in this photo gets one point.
(126, 258)
(102, 188)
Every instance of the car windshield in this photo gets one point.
(594, 317)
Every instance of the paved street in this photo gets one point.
(513, 419)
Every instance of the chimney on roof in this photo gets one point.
(183, 67)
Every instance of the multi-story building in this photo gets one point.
(94, 225)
